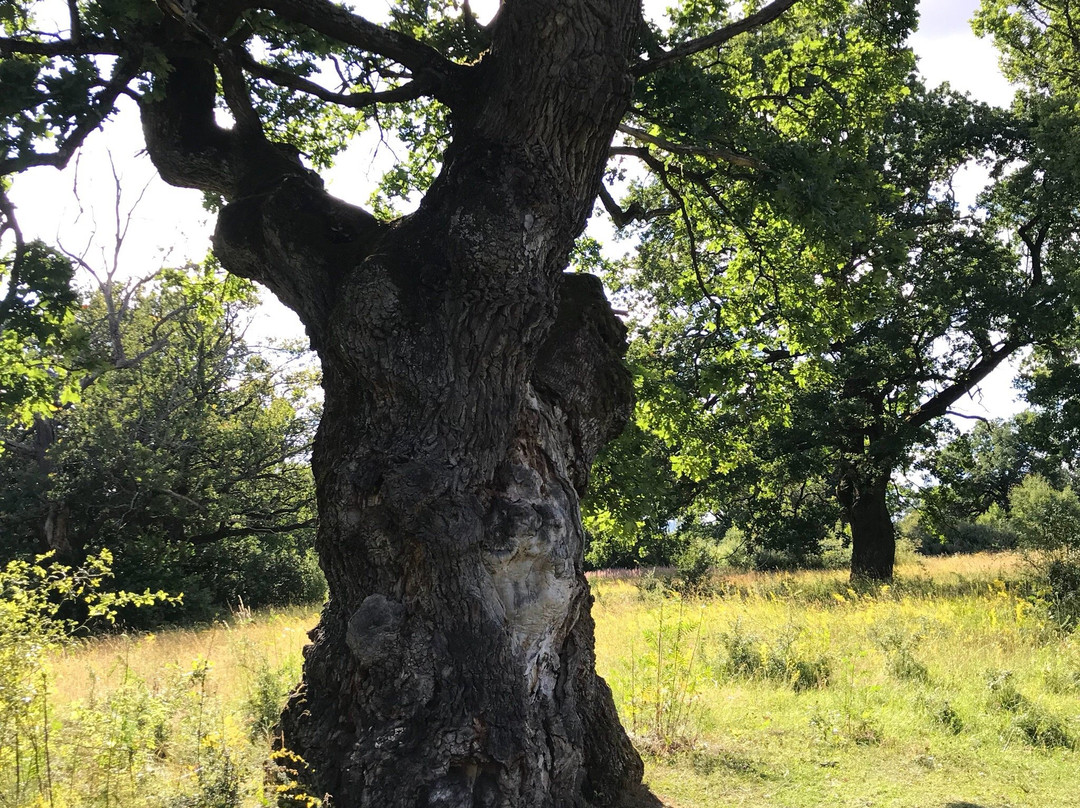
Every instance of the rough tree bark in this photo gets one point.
(468, 385)
(873, 538)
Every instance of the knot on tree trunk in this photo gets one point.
(373, 632)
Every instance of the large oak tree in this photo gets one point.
(816, 308)
(468, 381)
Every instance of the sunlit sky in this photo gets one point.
(170, 226)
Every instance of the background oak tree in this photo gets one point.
(820, 300)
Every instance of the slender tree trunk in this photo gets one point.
(55, 534)
(873, 539)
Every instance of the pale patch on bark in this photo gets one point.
(535, 578)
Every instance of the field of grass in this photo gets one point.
(950, 689)
(946, 690)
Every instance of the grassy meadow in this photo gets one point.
(949, 689)
(945, 690)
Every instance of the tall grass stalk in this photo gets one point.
(663, 682)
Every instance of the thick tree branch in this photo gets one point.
(712, 152)
(728, 32)
(234, 88)
(191, 150)
(22, 447)
(941, 403)
(75, 21)
(426, 63)
(281, 228)
(283, 78)
(9, 224)
(634, 213)
(81, 46)
(1034, 240)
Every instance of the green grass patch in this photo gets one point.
(952, 686)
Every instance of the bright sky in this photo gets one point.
(170, 224)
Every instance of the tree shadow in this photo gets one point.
(641, 797)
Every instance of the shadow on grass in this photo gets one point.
(641, 797)
(964, 805)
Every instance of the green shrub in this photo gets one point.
(1062, 576)
(268, 688)
(899, 644)
(1047, 522)
(696, 562)
(1041, 729)
(948, 718)
(845, 727)
(217, 783)
(935, 534)
(1034, 724)
(748, 656)
(1004, 695)
(34, 599)
(285, 772)
(1061, 678)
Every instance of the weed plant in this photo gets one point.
(665, 675)
(141, 721)
(779, 660)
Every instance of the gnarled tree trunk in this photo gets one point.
(468, 385)
(454, 663)
(863, 496)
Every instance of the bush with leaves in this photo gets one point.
(36, 601)
(1047, 522)
(186, 454)
(975, 472)
(1046, 519)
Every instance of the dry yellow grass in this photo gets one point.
(231, 648)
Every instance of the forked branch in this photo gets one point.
(719, 37)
